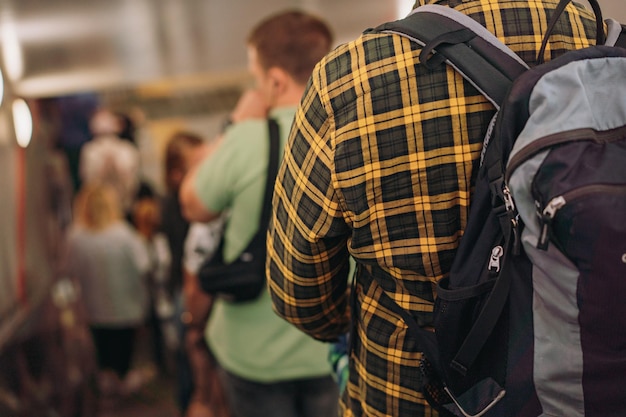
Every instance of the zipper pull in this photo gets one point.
(508, 198)
(509, 204)
(517, 239)
(546, 221)
(494, 259)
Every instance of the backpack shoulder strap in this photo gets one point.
(448, 35)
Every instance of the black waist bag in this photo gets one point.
(241, 280)
(244, 278)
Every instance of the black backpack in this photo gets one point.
(532, 318)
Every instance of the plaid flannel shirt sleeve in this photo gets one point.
(308, 260)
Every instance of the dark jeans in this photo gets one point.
(314, 397)
(184, 375)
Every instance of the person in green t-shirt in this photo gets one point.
(268, 367)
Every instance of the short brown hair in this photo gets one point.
(293, 41)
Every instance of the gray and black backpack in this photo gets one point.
(532, 319)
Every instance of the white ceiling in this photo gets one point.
(53, 47)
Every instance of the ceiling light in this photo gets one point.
(23, 122)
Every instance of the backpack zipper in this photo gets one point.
(494, 259)
(555, 204)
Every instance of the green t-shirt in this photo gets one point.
(249, 339)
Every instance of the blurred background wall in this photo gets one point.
(172, 63)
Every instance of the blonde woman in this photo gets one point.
(108, 259)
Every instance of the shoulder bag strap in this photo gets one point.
(272, 171)
(560, 8)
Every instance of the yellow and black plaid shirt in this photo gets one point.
(380, 165)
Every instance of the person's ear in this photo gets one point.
(279, 81)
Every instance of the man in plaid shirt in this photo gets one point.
(381, 165)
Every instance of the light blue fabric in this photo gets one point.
(576, 96)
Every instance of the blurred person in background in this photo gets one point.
(200, 393)
(163, 332)
(106, 257)
(130, 128)
(151, 165)
(267, 367)
(208, 397)
(110, 159)
(73, 114)
(182, 150)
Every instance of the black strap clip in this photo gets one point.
(431, 58)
